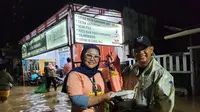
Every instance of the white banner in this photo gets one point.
(96, 31)
(57, 35)
(64, 53)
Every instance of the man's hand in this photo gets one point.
(109, 61)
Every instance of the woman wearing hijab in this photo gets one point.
(85, 86)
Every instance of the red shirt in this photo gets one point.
(67, 68)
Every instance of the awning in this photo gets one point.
(183, 33)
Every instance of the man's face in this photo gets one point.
(143, 55)
(50, 64)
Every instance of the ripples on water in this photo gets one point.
(63, 104)
(37, 103)
(48, 103)
(22, 99)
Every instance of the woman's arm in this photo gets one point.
(99, 99)
(84, 101)
(75, 91)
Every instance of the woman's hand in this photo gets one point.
(94, 100)
(108, 96)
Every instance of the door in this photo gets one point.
(196, 64)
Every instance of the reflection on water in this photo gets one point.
(62, 104)
(37, 103)
(22, 99)
(185, 104)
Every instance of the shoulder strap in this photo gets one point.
(94, 85)
(93, 81)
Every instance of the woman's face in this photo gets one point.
(91, 58)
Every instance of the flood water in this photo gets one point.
(22, 99)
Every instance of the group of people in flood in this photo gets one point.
(89, 91)
(153, 92)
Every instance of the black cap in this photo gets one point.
(141, 40)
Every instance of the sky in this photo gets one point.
(20, 17)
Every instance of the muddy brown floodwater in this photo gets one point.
(22, 99)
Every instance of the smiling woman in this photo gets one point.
(86, 86)
(92, 58)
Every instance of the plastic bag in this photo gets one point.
(120, 105)
(42, 88)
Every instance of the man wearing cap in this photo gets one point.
(155, 85)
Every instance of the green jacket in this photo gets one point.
(5, 80)
(154, 88)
